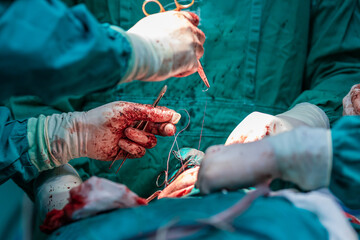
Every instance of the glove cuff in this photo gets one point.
(65, 136)
(132, 65)
(141, 61)
(304, 156)
(150, 60)
(51, 143)
(305, 114)
(38, 149)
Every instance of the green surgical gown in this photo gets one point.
(50, 50)
(345, 175)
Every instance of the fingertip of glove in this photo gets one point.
(175, 118)
(192, 17)
(167, 129)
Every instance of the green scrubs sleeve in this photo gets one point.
(50, 50)
(14, 158)
(345, 176)
(333, 63)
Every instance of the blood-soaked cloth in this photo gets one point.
(94, 196)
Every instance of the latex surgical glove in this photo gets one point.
(99, 133)
(258, 125)
(351, 102)
(164, 45)
(302, 156)
(52, 189)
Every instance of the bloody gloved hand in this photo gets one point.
(258, 125)
(164, 45)
(302, 156)
(99, 133)
(351, 102)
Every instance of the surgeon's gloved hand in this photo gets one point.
(258, 125)
(99, 133)
(351, 102)
(165, 45)
(236, 166)
(302, 156)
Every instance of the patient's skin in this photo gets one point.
(182, 185)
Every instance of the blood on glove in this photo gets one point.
(351, 102)
(102, 132)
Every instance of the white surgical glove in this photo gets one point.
(236, 166)
(52, 189)
(100, 133)
(258, 125)
(302, 156)
(164, 45)
(351, 102)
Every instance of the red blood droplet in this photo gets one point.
(267, 130)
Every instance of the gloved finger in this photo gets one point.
(161, 129)
(199, 49)
(123, 154)
(192, 17)
(200, 35)
(355, 98)
(187, 73)
(132, 148)
(145, 139)
(348, 108)
(137, 111)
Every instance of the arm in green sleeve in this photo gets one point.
(14, 157)
(53, 51)
(345, 175)
(333, 63)
(23, 150)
